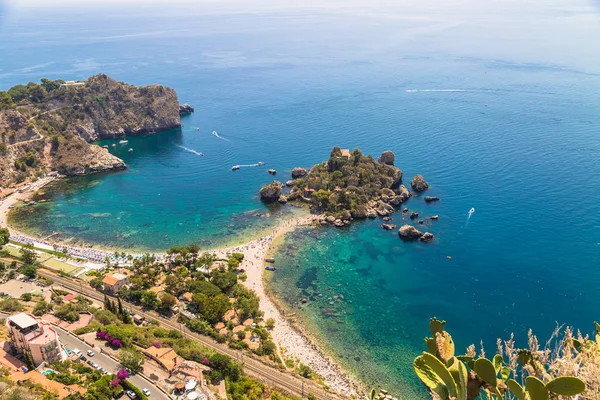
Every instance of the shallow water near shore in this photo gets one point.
(500, 119)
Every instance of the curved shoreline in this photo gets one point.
(289, 338)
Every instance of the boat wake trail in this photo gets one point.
(249, 165)
(220, 137)
(439, 90)
(190, 150)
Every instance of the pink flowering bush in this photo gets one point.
(116, 343)
(122, 374)
(115, 382)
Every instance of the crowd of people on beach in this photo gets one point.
(76, 252)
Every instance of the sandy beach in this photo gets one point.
(289, 340)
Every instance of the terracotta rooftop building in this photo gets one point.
(113, 282)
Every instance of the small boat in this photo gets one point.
(235, 167)
(197, 129)
(124, 142)
(114, 145)
(130, 151)
(260, 163)
(270, 268)
(105, 147)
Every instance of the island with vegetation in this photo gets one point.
(50, 126)
(350, 185)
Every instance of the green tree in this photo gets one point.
(30, 271)
(49, 85)
(28, 255)
(6, 102)
(167, 302)
(18, 93)
(26, 297)
(149, 300)
(120, 306)
(11, 305)
(131, 358)
(320, 198)
(41, 308)
(204, 287)
(305, 371)
(4, 236)
(67, 312)
(224, 280)
(212, 308)
(270, 323)
(30, 159)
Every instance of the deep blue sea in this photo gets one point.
(496, 105)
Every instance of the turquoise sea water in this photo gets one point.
(497, 105)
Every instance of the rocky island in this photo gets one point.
(349, 185)
(50, 126)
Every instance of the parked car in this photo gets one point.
(77, 351)
(68, 351)
(82, 358)
(91, 364)
(146, 392)
(130, 394)
(90, 353)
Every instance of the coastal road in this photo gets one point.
(106, 362)
(282, 381)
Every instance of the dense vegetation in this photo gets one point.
(350, 185)
(568, 365)
(48, 125)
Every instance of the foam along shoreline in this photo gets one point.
(288, 338)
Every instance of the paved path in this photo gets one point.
(106, 362)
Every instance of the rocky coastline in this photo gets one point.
(51, 126)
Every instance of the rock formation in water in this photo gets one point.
(418, 184)
(430, 199)
(298, 173)
(271, 192)
(185, 109)
(409, 232)
(427, 237)
(49, 126)
(387, 157)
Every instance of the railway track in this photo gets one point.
(278, 379)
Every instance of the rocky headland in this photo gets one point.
(50, 126)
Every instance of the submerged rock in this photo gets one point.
(414, 215)
(427, 237)
(388, 227)
(429, 199)
(418, 184)
(409, 232)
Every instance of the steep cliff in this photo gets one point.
(49, 126)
